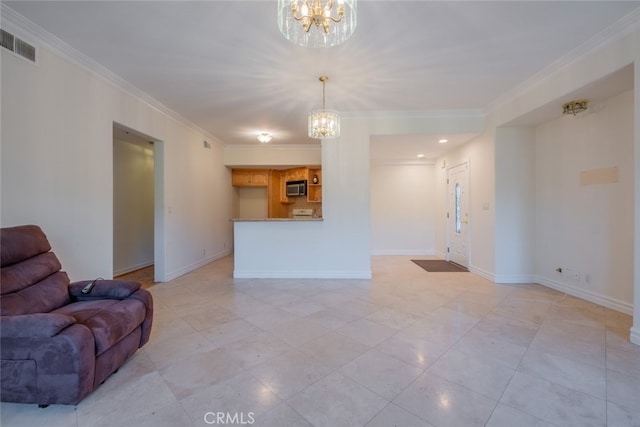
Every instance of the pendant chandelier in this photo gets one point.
(323, 123)
(317, 23)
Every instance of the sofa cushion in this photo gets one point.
(108, 320)
(115, 289)
(21, 275)
(42, 297)
(20, 243)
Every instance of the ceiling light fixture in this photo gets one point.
(443, 141)
(317, 23)
(420, 156)
(264, 137)
(575, 107)
(323, 123)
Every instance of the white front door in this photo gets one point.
(458, 214)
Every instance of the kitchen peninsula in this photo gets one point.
(275, 209)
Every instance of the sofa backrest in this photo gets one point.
(30, 276)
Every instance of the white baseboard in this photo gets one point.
(412, 252)
(506, 279)
(196, 265)
(596, 298)
(254, 274)
(482, 273)
(129, 269)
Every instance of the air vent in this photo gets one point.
(18, 46)
(7, 40)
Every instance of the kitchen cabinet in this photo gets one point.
(296, 174)
(283, 190)
(249, 177)
(314, 185)
(293, 174)
(275, 182)
(276, 208)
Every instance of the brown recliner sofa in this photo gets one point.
(58, 343)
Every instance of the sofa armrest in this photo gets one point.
(59, 369)
(145, 297)
(103, 289)
(38, 325)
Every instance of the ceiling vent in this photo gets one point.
(17, 46)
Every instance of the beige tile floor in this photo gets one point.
(407, 348)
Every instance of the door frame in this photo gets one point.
(158, 201)
(450, 218)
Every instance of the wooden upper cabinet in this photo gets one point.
(249, 177)
(296, 174)
(314, 189)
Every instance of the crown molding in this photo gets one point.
(433, 114)
(272, 147)
(616, 31)
(43, 38)
(380, 162)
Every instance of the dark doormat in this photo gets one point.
(439, 265)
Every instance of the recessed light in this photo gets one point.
(443, 141)
(420, 156)
(264, 137)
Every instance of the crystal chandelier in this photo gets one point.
(317, 23)
(323, 123)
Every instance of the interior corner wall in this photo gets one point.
(402, 209)
(57, 171)
(514, 205)
(583, 226)
(133, 207)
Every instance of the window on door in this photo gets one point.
(458, 195)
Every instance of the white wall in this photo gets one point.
(57, 168)
(515, 205)
(635, 329)
(252, 202)
(402, 209)
(273, 155)
(133, 206)
(586, 229)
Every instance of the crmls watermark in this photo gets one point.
(223, 418)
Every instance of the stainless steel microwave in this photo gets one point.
(296, 188)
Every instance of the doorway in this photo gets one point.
(458, 214)
(135, 181)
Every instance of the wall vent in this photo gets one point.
(17, 46)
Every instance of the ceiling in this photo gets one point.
(224, 65)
